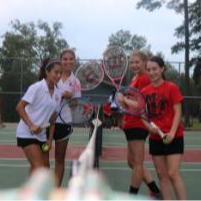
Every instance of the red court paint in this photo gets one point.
(108, 154)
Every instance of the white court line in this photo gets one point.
(106, 145)
(102, 168)
(101, 161)
(24, 159)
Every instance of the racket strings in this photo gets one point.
(115, 62)
(90, 75)
(77, 111)
(134, 103)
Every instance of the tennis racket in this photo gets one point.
(44, 126)
(131, 102)
(115, 63)
(75, 111)
(90, 75)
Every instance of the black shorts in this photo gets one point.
(24, 142)
(136, 134)
(157, 147)
(62, 131)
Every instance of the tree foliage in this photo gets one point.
(22, 50)
(152, 5)
(194, 9)
(129, 42)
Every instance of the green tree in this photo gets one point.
(151, 5)
(22, 50)
(194, 10)
(129, 42)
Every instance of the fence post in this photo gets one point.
(21, 77)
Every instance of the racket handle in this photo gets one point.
(162, 135)
(45, 126)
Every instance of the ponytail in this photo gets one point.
(47, 65)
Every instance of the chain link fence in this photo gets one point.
(16, 74)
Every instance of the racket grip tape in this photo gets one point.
(45, 126)
(162, 135)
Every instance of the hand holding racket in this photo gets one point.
(35, 129)
(67, 95)
(131, 102)
(75, 111)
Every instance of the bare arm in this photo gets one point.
(67, 95)
(176, 119)
(149, 126)
(131, 103)
(175, 123)
(126, 102)
(22, 113)
(51, 129)
(51, 135)
(24, 116)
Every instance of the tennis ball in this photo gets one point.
(45, 148)
(165, 141)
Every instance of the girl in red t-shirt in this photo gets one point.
(136, 132)
(164, 107)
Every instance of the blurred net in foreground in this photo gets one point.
(87, 159)
(86, 182)
(40, 186)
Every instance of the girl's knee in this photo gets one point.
(173, 174)
(162, 175)
(138, 168)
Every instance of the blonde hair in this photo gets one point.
(67, 50)
(140, 54)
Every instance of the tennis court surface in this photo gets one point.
(14, 166)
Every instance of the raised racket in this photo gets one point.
(115, 63)
(90, 75)
(131, 102)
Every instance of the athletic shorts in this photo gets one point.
(62, 131)
(136, 134)
(157, 147)
(24, 142)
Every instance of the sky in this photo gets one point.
(87, 24)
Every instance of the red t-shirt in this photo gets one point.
(160, 103)
(139, 82)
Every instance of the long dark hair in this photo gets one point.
(47, 65)
(160, 62)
